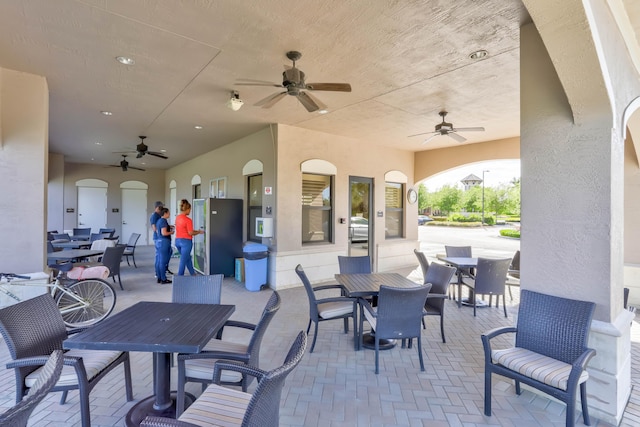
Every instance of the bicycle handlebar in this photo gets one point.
(10, 276)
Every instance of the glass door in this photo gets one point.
(361, 218)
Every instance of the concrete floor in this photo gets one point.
(336, 386)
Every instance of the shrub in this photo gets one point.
(489, 220)
(508, 232)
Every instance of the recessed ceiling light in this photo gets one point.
(323, 111)
(106, 113)
(92, 159)
(125, 60)
(98, 143)
(163, 151)
(198, 127)
(478, 54)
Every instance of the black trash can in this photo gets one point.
(255, 266)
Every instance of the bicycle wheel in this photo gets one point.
(86, 302)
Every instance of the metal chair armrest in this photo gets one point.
(28, 361)
(235, 324)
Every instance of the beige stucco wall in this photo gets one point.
(55, 192)
(24, 136)
(432, 162)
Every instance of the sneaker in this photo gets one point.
(169, 272)
(164, 282)
(159, 281)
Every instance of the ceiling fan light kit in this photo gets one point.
(235, 103)
(293, 80)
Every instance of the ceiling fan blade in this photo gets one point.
(310, 102)
(154, 153)
(476, 129)
(270, 100)
(456, 137)
(430, 138)
(249, 82)
(418, 134)
(337, 87)
(136, 168)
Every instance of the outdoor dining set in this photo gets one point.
(190, 332)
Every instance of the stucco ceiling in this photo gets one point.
(405, 60)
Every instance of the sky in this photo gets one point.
(500, 172)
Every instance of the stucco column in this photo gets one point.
(24, 136)
(572, 212)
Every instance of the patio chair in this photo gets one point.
(100, 245)
(424, 262)
(18, 415)
(222, 406)
(439, 276)
(197, 289)
(463, 252)
(397, 316)
(82, 232)
(490, 279)
(95, 236)
(199, 367)
(34, 328)
(354, 264)
(112, 258)
(61, 236)
(329, 308)
(108, 231)
(130, 249)
(550, 352)
(513, 274)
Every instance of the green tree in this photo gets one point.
(447, 199)
(471, 200)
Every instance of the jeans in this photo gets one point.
(184, 247)
(163, 255)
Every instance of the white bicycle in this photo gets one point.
(82, 302)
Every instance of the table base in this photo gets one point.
(479, 303)
(369, 341)
(145, 407)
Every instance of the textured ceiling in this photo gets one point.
(405, 61)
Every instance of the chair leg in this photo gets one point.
(85, 415)
(510, 294)
(120, 282)
(459, 295)
(504, 303)
(127, 258)
(180, 391)
(128, 386)
(423, 325)
(355, 331)
(487, 391)
(63, 397)
(444, 341)
(419, 346)
(518, 390)
(133, 258)
(474, 305)
(571, 412)
(309, 327)
(346, 325)
(315, 335)
(585, 407)
(377, 340)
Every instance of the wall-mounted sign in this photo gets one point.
(115, 210)
(268, 191)
(70, 210)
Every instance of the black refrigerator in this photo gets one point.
(215, 251)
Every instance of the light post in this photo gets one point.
(483, 195)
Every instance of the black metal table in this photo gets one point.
(73, 254)
(67, 244)
(368, 285)
(159, 327)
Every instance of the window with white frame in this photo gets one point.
(394, 206)
(317, 208)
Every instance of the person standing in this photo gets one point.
(153, 219)
(184, 237)
(163, 246)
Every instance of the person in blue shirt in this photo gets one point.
(153, 219)
(163, 246)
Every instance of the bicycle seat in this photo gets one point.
(62, 267)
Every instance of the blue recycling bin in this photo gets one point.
(255, 266)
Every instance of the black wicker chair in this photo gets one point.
(397, 316)
(112, 258)
(18, 415)
(462, 252)
(551, 334)
(338, 307)
(222, 406)
(199, 367)
(130, 249)
(439, 276)
(354, 264)
(197, 289)
(34, 328)
(513, 274)
(424, 262)
(490, 279)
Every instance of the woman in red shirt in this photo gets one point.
(184, 235)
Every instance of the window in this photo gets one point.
(317, 211)
(394, 205)
(254, 205)
(196, 191)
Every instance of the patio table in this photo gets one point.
(461, 264)
(77, 244)
(368, 285)
(159, 327)
(73, 254)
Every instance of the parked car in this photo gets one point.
(359, 229)
(423, 219)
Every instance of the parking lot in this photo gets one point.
(484, 241)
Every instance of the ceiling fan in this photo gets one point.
(295, 85)
(142, 149)
(125, 165)
(447, 129)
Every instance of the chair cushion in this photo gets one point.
(329, 310)
(217, 406)
(542, 368)
(203, 368)
(94, 362)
